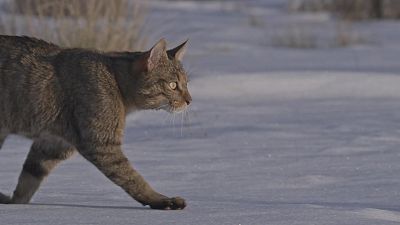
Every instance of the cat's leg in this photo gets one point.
(43, 156)
(3, 136)
(110, 160)
(3, 198)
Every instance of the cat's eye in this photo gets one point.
(172, 85)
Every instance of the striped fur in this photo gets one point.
(76, 100)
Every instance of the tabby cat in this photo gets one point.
(76, 100)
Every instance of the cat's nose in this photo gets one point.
(188, 98)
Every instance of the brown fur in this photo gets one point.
(70, 100)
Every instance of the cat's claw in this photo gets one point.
(175, 203)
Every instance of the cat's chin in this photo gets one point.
(179, 109)
(171, 109)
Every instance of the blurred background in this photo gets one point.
(324, 34)
(221, 26)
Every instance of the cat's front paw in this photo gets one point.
(175, 203)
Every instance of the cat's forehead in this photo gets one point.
(176, 71)
(182, 75)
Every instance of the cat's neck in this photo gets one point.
(126, 74)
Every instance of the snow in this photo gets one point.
(275, 135)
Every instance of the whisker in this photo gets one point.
(182, 116)
(167, 116)
(173, 121)
(187, 118)
(171, 117)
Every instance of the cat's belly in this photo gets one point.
(28, 126)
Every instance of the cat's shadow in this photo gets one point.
(90, 206)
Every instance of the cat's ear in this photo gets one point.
(156, 54)
(178, 52)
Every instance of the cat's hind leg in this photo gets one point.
(43, 156)
(3, 137)
(3, 198)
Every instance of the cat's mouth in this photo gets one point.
(179, 109)
(175, 109)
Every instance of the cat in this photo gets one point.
(76, 100)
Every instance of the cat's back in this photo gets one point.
(22, 57)
(28, 84)
(15, 45)
(25, 61)
(29, 66)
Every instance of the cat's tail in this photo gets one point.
(4, 199)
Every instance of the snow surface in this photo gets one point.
(274, 136)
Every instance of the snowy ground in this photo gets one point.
(275, 135)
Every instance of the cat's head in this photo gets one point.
(163, 81)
